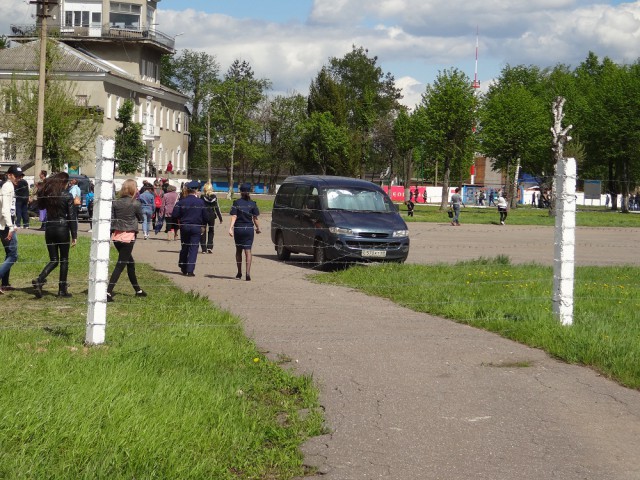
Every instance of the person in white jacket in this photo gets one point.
(502, 208)
(8, 234)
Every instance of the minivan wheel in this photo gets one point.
(320, 256)
(282, 252)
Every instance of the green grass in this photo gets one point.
(177, 391)
(515, 301)
(264, 205)
(585, 216)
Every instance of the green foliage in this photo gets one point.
(357, 93)
(233, 102)
(447, 116)
(515, 301)
(194, 74)
(326, 144)
(516, 121)
(283, 120)
(175, 392)
(4, 42)
(130, 150)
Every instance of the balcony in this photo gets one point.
(96, 32)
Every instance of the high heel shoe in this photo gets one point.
(248, 278)
(239, 275)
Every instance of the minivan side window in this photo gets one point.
(300, 196)
(284, 197)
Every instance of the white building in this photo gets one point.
(111, 51)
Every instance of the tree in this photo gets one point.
(285, 115)
(232, 102)
(194, 74)
(406, 139)
(367, 94)
(515, 125)
(447, 116)
(326, 144)
(130, 150)
(4, 42)
(70, 129)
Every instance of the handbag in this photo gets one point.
(77, 201)
(450, 213)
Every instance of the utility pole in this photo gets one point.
(42, 14)
(209, 146)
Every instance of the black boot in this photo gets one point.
(62, 290)
(37, 286)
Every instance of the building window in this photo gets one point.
(125, 15)
(82, 100)
(117, 105)
(179, 123)
(160, 119)
(96, 19)
(168, 119)
(108, 109)
(76, 18)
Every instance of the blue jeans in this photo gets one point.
(456, 214)
(11, 255)
(146, 221)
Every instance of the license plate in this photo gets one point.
(374, 253)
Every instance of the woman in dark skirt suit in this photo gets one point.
(244, 216)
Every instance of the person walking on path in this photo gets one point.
(191, 213)
(8, 234)
(456, 203)
(502, 208)
(125, 215)
(244, 216)
(213, 210)
(21, 194)
(147, 200)
(169, 200)
(61, 221)
(158, 219)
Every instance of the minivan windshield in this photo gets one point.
(358, 200)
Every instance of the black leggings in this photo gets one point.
(57, 237)
(125, 259)
(206, 238)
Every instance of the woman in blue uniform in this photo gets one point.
(244, 216)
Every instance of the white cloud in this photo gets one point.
(413, 39)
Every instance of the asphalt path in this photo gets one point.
(413, 396)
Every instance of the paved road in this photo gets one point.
(412, 396)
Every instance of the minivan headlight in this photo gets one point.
(401, 233)
(341, 231)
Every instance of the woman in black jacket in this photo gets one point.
(125, 216)
(213, 210)
(61, 221)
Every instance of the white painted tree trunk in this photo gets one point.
(565, 241)
(100, 239)
(565, 212)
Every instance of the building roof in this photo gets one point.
(25, 59)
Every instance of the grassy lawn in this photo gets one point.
(177, 392)
(585, 217)
(515, 301)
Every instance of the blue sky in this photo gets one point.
(288, 41)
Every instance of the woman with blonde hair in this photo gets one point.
(212, 210)
(125, 216)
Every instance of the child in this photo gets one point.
(410, 206)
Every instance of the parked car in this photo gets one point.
(337, 219)
(84, 183)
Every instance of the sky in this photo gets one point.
(288, 41)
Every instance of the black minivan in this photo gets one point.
(337, 219)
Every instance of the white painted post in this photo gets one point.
(565, 241)
(565, 212)
(100, 237)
